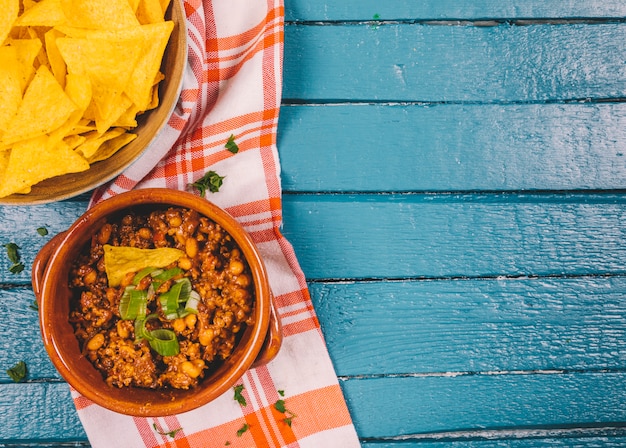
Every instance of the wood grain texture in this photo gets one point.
(382, 148)
(381, 406)
(32, 411)
(403, 62)
(339, 10)
(473, 326)
(448, 236)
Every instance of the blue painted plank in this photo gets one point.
(424, 236)
(302, 10)
(446, 326)
(443, 326)
(21, 322)
(453, 147)
(403, 62)
(383, 407)
(520, 439)
(38, 411)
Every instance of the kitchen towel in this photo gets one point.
(232, 91)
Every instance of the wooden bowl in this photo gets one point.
(148, 127)
(259, 343)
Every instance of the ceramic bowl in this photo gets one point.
(259, 343)
(148, 127)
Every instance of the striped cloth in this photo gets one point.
(232, 87)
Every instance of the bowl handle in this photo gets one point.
(41, 262)
(273, 340)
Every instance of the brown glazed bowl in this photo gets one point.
(149, 125)
(257, 346)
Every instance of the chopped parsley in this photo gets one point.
(14, 257)
(280, 407)
(210, 181)
(231, 145)
(171, 434)
(18, 372)
(42, 231)
(243, 429)
(239, 398)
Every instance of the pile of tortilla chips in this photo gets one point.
(74, 75)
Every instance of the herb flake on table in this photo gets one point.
(171, 433)
(18, 372)
(231, 145)
(42, 231)
(14, 257)
(280, 406)
(239, 398)
(210, 181)
(243, 429)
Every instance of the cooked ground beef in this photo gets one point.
(218, 272)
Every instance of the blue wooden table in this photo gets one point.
(454, 178)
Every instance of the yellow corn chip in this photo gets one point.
(94, 140)
(57, 64)
(27, 51)
(44, 13)
(8, 13)
(10, 87)
(99, 60)
(149, 11)
(119, 261)
(45, 99)
(99, 14)
(110, 147)
(78, 88)
(21, 171)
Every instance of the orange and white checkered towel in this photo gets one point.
(232, 86)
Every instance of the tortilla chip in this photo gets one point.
(149, 11)
(44, 13)
(99, 14)
(95, 139)
(21, 171)
(8, 13)
(139, 88)
(99, 60)
(57, 64)
(110, 147)
(27, 52)
(119, 261)
(10, 87)
(45, 99)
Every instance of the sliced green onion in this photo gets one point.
(142, 273)
(133, 304)
(191, 307)
(158, 278)
(141, 332)
(164, 342)
(166, 275)
(171, 300)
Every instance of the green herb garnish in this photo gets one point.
(280, 407)
(17, 372)
(14, 257)
(239, 398)
(171, 434)
(231, 145)
(42, 231)
(243, 429)
(211, 181)
(34, 306)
